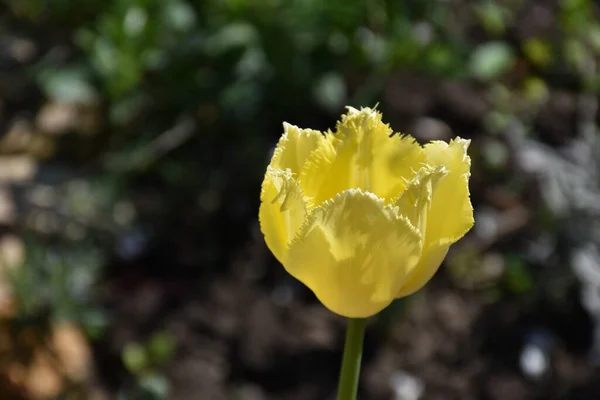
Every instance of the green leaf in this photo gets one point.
(495, 154)
(493, 17)
(135, 21)
(156, 385)
(161, 347)
(231, 36)
(180, 15)
(135, 358)
(575, 52)
(574, 4)
(535, 89)
(68, 84)
(518, 278)
(594, 37)
(330, 91)
(490, 60)
(538, 52)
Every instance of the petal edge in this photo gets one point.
(282, 210)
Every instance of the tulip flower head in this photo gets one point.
(363, 216)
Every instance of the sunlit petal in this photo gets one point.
(415, 202)
(294, 147)
(361, 155)
(282, 210)
(354, 253)
(430, 262)
(451, 212)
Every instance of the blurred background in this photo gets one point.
(134, 135)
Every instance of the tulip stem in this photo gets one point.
(353, 347)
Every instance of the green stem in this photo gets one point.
(348, 383)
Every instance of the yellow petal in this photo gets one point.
(451, 212)
(282, 210)
(294, 147)
(415, 204)
(430, 262)
(361, 155)
(415, 201)
(354, 253)
(450, 215)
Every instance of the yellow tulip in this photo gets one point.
(363, 216)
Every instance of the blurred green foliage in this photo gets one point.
(146, 361)
(238, 59)
(241, 55)
(57, 283)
